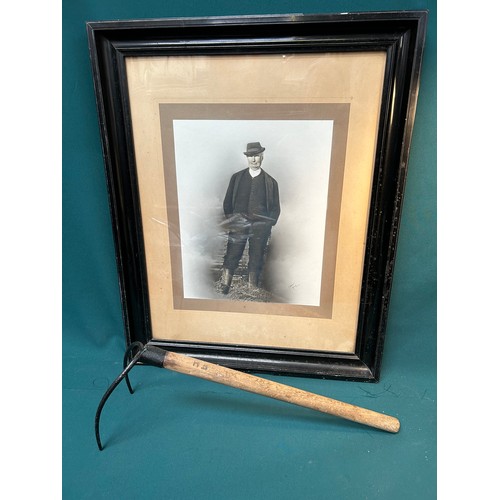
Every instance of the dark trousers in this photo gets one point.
(257, 234)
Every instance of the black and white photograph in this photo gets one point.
(252, 198)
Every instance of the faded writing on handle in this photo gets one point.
(196, 364)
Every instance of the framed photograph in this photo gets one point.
(255, 169)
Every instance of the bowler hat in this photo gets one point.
(254, 148)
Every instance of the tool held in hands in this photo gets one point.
(154, 356)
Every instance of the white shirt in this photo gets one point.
(254, 173)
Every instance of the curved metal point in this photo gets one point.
(124, 374)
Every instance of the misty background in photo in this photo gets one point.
(297, 155)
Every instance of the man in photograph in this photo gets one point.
(251, 207)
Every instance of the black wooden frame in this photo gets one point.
(400, 34)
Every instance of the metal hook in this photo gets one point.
(127, 358)
(146, 354)
(112, 387)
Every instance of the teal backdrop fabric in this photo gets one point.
(180, 438)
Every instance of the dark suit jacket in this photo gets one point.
(272, 195)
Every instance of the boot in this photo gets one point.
(253, 279)
(227, 278)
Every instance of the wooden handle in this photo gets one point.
(233, 378)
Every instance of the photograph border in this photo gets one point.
(400, 35)
(338, 112)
